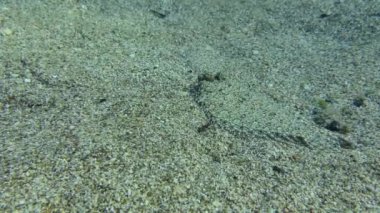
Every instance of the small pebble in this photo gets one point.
(6, 32)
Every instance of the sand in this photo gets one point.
(177, 106)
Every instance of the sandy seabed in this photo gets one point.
(175, 106)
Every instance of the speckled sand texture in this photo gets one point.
(189, 106)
